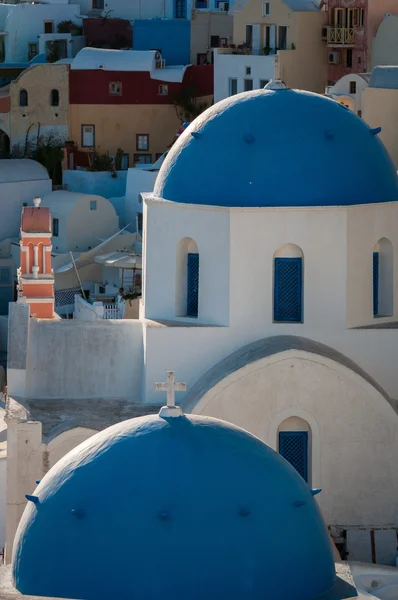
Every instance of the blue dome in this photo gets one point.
(278, 148)
(174, 509)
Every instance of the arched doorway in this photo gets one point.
(4, 144)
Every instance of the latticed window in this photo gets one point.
(180, 9)
(293, 446)
(375, 283)
(288, 289)
(193, 285)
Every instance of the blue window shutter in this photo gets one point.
(193, 285)
(293, 446)
(375, 283)
(288, 276)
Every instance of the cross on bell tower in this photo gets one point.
(171, 387)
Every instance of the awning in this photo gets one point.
(120, 260)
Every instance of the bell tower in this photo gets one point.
(35, 275)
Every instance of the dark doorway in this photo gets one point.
(4, 144)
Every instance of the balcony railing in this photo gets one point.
(341, 35)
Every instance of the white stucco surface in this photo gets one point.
(3, 488)
(24, 22)
(20, 181)
(341, 91)
(80, 227)
(233, 66)
(138, 181)
(104, 359)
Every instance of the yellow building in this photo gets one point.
(35, 105)
(274, 39)
(380, 107)
(209, 29)
(124, 99)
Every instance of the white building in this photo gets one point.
(349, 91)
(26, 27)
(20, 181)
(270, 287)
(80, 221)
(234, 73)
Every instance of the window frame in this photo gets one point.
(82, 135)
(300, 290)
(353, 87)
(230, 80)
(51, 22)
(93, 205)
(164, 86)
(52, 98)
(116, 83)
(264, 82)
(55, 227)
(246, 79)
(142, 155)
(137, 142)
(266, 8)
(31, 56)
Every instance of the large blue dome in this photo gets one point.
(175, 509)
(278, 148)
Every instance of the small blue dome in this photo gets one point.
(278, 148)
(174, 509)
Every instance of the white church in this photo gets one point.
(270, 288)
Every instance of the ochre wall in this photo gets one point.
(38, 81)
(118, 126)
(306, 67)
(206, 24)
(380, 109)
(252, 13)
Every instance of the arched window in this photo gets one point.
(383, 279)
(54, 98)
(187, 279)
(294, 444)
(23, 98)
(288, 284)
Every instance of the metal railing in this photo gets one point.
(341, 35)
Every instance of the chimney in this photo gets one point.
(35, 275)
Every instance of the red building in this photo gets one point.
(124, 102)
(351, 29)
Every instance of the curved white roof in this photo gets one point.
(21, 169)
(62, 202)
(114, 60)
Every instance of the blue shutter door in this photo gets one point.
(288, 289)
(375, 283)
(193, 285)
(293, 446)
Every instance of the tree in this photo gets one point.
(186, 103)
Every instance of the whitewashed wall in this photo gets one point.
(3, 489)
(354, 430)
(25, 22)
(227, 66)
(84, 359)
(138, 181)
(236, 250)
(12, 196)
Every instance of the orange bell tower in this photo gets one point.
(35, 275)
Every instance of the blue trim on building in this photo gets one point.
(288, 276)
(193, 285)
(293, 446)
(376, 262)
